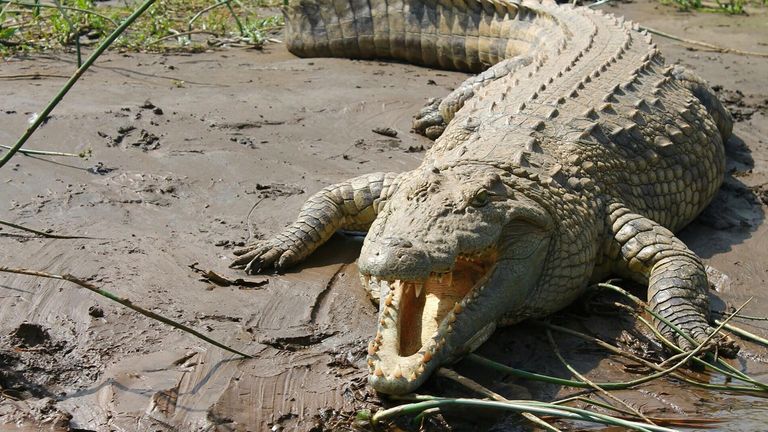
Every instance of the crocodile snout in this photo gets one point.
(394, 257)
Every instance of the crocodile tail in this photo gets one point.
(466, 35)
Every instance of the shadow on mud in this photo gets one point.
(734, 214)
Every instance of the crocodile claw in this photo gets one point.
(260, 257)
(429, 122)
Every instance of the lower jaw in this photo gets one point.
(388, 385)
(403, 382)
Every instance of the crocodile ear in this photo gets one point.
(493, 184)
(527, 210)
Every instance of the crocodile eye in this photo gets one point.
(480, 199)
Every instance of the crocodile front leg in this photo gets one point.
(677, 282)
(435, 116)
(352, 205)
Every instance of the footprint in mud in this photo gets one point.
(30, 350)
(138, 188)
(29, 335)
(275, 190)
(146, 140)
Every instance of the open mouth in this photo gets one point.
(416, 316)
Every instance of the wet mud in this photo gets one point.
(183, 147)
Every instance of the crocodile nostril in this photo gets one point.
(398, 242)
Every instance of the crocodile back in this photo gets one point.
(596, 105)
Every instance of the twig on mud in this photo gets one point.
(186, 33)
(45, 234)
(601, 390)
(479, 388)
(744, 334)
(48, 153)
(589, 401)
(125, 302)
(217, 279)
(742, 316)
(248, 219)
(75, 77)
(709, 46)
(32, 76)
(703, 423)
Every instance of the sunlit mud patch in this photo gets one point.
(424, 305)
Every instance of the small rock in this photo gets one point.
(100, 169)
(386, 131)
(415, 149)
(96, 311)
(123, 130)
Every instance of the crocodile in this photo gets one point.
(574, 154)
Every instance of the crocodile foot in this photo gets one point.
(722, 344)
(428, 121)
(263, 255)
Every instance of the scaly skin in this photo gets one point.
(577, 156)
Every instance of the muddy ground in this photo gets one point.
(184, 145)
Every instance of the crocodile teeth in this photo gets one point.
(378, 372)
(398, 372)
(419, 286)
(397, 285)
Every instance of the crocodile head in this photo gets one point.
(451, 252)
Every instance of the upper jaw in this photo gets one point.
(424, 323)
